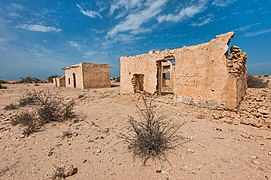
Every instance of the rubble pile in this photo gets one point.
(255, 108)
(236, 61)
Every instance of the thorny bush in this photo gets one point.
(45, 108)
(152, 136)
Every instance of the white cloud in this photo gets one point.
(134, 21)
(186, 12)
(88, 13)
(124, 6)
(203, 20)
(39, 28)
(257, 33)
(222, 3)
(75, 44)
(89, 54)
(245, 28)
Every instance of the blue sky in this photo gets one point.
(39, 37)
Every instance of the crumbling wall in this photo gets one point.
(96, 75)
(201, 74)
(236, 63)
(142, 64)
(204, 74)
(60, 81)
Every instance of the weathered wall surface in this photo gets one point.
(96, 75)
(60, 81)
(77, 70)
(201, 73)
(204, 74)
(140, 64)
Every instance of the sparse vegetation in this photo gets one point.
(11, 106)
(67, 134)
(3, 87)
(152, 136)
(59, 173)
(50, 78)
(256, 82)
(29, 79)
(3, 82)
(45, 108)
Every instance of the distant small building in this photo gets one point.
(59, 81)
(87, 75)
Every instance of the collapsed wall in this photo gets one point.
(206, 74)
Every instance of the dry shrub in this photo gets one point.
(11, 106)
(152, 136)
(28, 120)
(45, 108)
(59, 173)
(3, 87)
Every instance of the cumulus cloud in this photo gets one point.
(38, 28)
(88, 13)
(203, 20)
(133, 22)
(185, 12)
(222, 3)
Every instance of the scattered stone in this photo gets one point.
(158, 171)
(200, 116)
(268, 166)
(263, 111)
(190, 150)
(71, 170)
(256, 162)
(269, 153)
(50, 153)
(99, 151)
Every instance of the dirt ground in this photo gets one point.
(219, 147)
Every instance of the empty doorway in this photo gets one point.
(74, 80)
(138, 82)
(165, 76)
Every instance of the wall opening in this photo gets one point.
(138, 82)
(74, 80)
(165, 76)
(69, 80)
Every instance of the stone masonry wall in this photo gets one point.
(204, 74)
(96, 75)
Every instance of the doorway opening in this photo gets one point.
(74, 80)
(138, 82)
(165, 76)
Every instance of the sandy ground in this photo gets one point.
(216, 149)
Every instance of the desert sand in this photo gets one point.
(221, 144)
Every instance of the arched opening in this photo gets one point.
(74, 80)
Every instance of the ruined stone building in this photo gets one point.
(87, 75)
(59, 81)
(208, 74)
